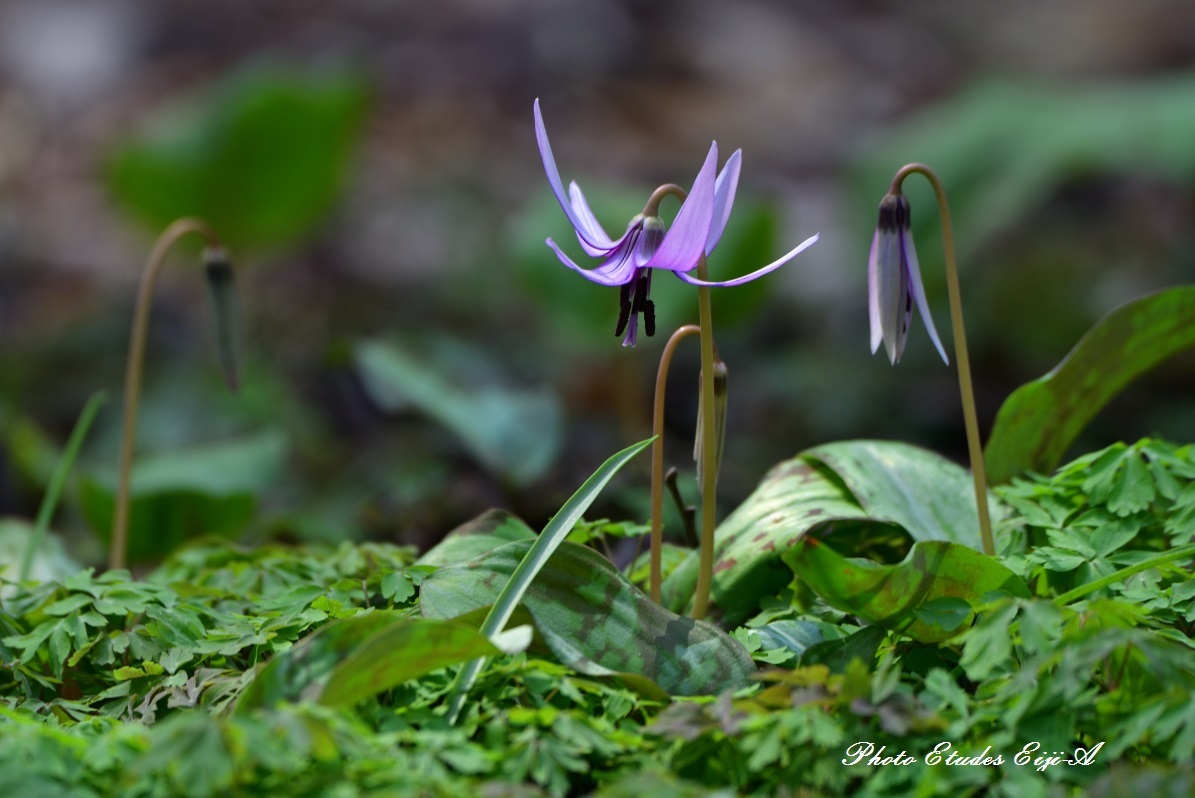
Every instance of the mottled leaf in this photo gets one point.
(891, 595)
(596, 621)
(489, 530)
(856, 482)
(1037, 424)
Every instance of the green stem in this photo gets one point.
(58, 479)
(117, 552)
(1125, 573)
(970, 417)
(657, 458)
(709, 463)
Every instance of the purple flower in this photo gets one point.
(894, 281)
(628, 261)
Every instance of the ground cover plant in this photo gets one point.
(873, 620)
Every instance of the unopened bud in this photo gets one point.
(721, 387)
(225, 313)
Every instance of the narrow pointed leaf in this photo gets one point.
(535, 559)
(58, 479)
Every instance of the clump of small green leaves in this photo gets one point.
(110, 685)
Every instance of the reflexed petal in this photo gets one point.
(724, 188)
(757, 273)
(593, 230)
(685, 240)
(918, 291)
(617, 270)
(545, 152)
(873, 293)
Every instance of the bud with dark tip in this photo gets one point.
(225, 313)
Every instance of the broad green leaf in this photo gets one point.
(1037, 424)
(354, 658)
(262, 157)
(301, 671)
(866, 485)
(514, 433)
(489, 530)
(595, 620)
(891, 595)
(408, 649)
(931, 497)
(1036, 137)
(185, 493)
(534, 560)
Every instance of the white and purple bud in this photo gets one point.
(894, 282)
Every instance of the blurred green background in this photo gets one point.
(414, 354)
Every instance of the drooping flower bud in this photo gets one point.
(225, 313)
(894, 281)
(721, 388)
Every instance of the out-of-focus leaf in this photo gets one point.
(883, 495)
(49, 562)
(262, 158)
(514, 433)
(1035, 136)
(185, 493)
(1038, 423)
(491, 529)
(892, 595)
(595, 620)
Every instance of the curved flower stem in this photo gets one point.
(709, 464)
(132, 386)
(970, 417)
(1125, 573)
(657, 456)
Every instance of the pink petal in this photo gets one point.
(545, 152)
(918, 289)
(873, 293)
(755, 274)
(685, 241)
(617, 270)
(724, 188)
(593, 230)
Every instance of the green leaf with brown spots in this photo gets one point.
(1037, 424)
(595, 620)
(885, 496)
(487, 531)
(930, 596)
